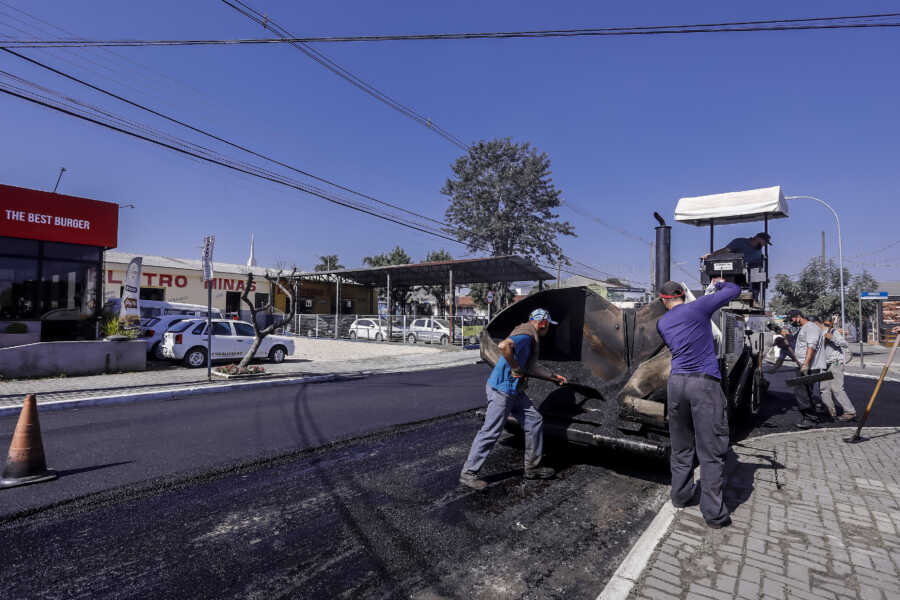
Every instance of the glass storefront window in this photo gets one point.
(65, 288)
(27, 248)
(18, 288)
(71, 251)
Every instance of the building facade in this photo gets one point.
(51, 261)
(181, 280)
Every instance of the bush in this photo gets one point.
(111, 328)
(17, 328)
(233, 369)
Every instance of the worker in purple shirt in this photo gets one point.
(698, 411)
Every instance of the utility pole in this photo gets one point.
(61, 171)
(823, 255)
(559, 274)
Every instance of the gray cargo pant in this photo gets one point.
(499, 406)
(698, 427)
(833, 389)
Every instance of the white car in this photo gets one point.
(435, 331)
(153, 328)
(186, 341)
(372, 329)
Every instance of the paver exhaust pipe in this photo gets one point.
(615, 356)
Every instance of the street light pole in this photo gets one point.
(840, 251)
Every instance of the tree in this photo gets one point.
(501, 202)
(817, 291)
(328, 263)
(438, 291)
(397, 256)
(277, 323)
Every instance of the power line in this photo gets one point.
(559, 33)
(285, 36)
(104, 119)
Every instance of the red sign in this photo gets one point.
(36, 215)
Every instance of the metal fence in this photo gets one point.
(400, 329)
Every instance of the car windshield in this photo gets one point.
(149, 322)
(181, 326)
(443, 323)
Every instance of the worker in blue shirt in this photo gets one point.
(698, 410)
(506, 395)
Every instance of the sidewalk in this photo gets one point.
(141, 383)
(814, 518)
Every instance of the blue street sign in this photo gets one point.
(873, 295)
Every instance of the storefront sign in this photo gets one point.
(130, 311)
(36, 215)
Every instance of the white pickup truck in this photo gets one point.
(186, 342)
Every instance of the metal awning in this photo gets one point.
(465, 271)
(733, 207)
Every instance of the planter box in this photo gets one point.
(244, 376)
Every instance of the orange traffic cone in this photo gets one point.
(25, 463)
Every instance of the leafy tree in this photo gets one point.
(817, 291)
(438, 291)
(501, 202)
(328, 263)
(399, 293)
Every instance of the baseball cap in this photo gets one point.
(671, 289)
(541, 314)
(765, 236)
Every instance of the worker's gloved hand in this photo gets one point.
(804, 370)
(516, 373)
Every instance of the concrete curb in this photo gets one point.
(867, 376)
(621, 583)
(173, 394)
(194, 390)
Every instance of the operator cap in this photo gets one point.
(671, 289)
(764, 237)
(541, 314)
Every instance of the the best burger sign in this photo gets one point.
(37, 215)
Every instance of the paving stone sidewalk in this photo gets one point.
(51, 389)
(814, 518)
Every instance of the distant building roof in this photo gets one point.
(113, 256)
(580, 280)
(465, 271)
(891, 287)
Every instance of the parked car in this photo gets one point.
(373, 328)
(186, 341)
(153, 328)
(432, 331)
(315, 326)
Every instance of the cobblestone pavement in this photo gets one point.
(66, 388)
(813, 518)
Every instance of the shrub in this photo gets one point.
(17, 328)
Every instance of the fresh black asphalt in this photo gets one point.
(255, 495)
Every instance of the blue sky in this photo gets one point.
(631, 124)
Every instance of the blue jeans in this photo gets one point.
(499, 406)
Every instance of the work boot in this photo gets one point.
(847, 416)
(539, 473)
(720, 524)
(807, 423)
(470, 479)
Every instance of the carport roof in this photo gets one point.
(465, 271)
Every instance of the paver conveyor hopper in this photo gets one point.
(617, 357)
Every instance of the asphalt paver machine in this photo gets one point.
(616, 358)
